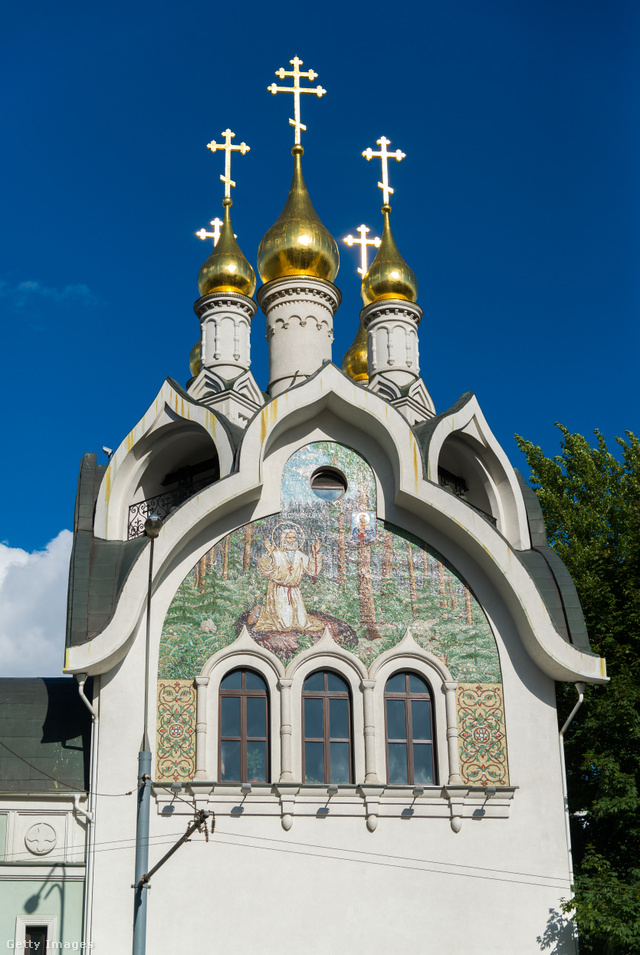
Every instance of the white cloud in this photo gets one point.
(33, 605)
(25, 291)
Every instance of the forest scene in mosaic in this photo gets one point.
(326, 562)
(482, 736)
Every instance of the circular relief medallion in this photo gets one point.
(40, 839)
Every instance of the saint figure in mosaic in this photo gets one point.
(285, 565)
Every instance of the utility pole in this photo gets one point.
(152, 528)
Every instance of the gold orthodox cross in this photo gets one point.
(364, 243)
(296, 89)
(215, 235)
(385, 156)
(228, 148)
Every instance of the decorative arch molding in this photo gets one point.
(243, 653)
(408, 655)
(173, 417)
(360, 410)
(326, 654)
(465, 431)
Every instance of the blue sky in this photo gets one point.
(518, 205)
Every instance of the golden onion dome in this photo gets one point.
(388, 276)
(355, 363)
(298, 243)
(195, 359)
(226, 269)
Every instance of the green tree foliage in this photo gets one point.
(591, 506)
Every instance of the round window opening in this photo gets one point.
(329, 484)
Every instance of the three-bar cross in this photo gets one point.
(296, 89)
(385, 156)
(228, 149)
(364, 243)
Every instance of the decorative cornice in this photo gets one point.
(297, 289)
(393, 309)
(225, 301)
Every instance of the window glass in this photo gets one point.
(422, 764)
(326, 703)
(417, 684)
(335, 682)
(397, 762)
(256, 761)
(339, 763)
(230, 761)
(230, 715)
(314, 682)
(421, 719)
(396, 684)
(396, 719)
(339, 719)
(314, 763)
(313, 723)
(36, 936)
(254, 682)
(243, 728)
(409, 729)
(256, 716)
(232, 681)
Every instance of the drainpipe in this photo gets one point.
(87, 921)
(580, 687)
(152, 527)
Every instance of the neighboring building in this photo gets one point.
(355, 625)
(45, 730)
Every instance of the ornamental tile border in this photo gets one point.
(176, 731)
(482, 734)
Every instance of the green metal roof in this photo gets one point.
(45, 735)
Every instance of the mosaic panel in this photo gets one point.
(482, 737)
(323, 562)
(176, 731)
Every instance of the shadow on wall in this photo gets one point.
(559, 935)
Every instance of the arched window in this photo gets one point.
(326, 729)
(409, 730)
(243, 721)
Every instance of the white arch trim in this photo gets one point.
(243, 652)
(133, 454)
(361, 409)
(243, 647)
(470, 422)
(408, 655)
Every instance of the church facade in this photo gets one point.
(322, 621)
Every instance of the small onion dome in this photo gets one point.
(195, 359)
(355, 363)
(226, 269)
(389, 276)
(298, 243)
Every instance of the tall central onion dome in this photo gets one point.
(226, 269)
(298, 243)
(388, 276)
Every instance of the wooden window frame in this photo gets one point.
(243, 694)
(326, 696)
(407, 696)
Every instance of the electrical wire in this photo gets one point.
(61, 782)
(329, 852)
